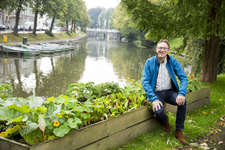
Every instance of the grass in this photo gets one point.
(197, 123)
(11, 38)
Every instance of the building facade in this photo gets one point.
(9, 20)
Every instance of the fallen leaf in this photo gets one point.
(151, 143)
(204, 144)
(206, 140)
(193, 144)
(191, 121)
(211, 112)
(204, 112)
(220, 142)
(214, 110)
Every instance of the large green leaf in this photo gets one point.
(52, 109)
(24, 109)
(11, 101)
(9, 114)
(61, 131)
(29, 128)
(60, 100)
(34, 137)
(34, 102)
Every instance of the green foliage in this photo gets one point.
(94, 14)
(36, 120)
(193, 84)
(144, 42)
(221, 59)
(105, 18)
(122, 22)
(5, 91)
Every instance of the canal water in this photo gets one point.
(92, 60)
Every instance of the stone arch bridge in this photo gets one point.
(109, 34)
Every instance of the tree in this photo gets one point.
(94, 13)
(84, 20)
(54, 9)
(17, 5)
(189, 19)
(36, 6)
(105, 17)
(4, 4)
(123, 23)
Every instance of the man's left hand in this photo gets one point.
(180, 100)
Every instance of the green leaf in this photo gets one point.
(34, 137)
(61, 131)
(52, 109)
(41, 122)
(29, 128)
(24, 109)
(34, 102)
(60, 100)
(84, 115)
(18, 119)
(9, 114)
(77, 120)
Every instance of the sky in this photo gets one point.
(102, 3)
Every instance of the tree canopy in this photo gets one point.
(94, 13)
(122, 22)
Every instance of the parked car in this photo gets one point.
(2, 28)
(20, 28)
(45, 28)
(37, 28)
(64, 29)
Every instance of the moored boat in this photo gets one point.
(19, 50)
(44, 50)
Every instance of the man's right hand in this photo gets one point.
(156, 105)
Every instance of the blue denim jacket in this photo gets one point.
(150, 74)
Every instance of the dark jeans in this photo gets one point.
(170, 96)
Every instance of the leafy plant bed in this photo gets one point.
(194, 100)
(102, 135)
(59, 122)
(88, 116)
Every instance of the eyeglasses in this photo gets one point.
(162, 48)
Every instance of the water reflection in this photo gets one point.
(95, 60)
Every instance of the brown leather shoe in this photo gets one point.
(179, 136)
(167, 126)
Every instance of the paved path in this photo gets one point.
(80, 36)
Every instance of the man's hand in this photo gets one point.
(180, 100)
(156, 105)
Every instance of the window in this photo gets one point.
(114, 35)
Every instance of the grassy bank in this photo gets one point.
(197, 123)
(11, 38)
(173, 43)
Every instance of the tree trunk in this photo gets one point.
(67, 27)
(53, 20)
(35, 19)
(210, 58)
(17, 22)
(71, 30)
